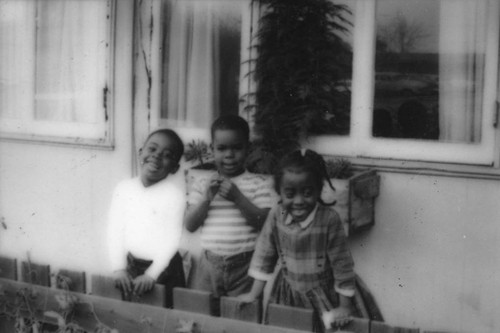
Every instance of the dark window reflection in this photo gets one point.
(429, 69)
(336, 118)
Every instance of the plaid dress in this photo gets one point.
(316, 263)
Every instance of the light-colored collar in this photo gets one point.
(303, 224)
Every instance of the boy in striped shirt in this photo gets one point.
(231, 208)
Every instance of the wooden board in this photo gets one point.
(71, 280)
(91, 310)
(196, 301)
(233, 308)
(155, 296)
(356, 325)
(104, 286)
(35, 273)
(380, 327)
(290, 317)
(8, 268)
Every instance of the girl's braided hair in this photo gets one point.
(304, 161)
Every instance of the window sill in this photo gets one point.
(426, 168)
(102, 144)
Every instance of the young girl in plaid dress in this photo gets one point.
(307, 238)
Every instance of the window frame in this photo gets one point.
(100, 136)
(360, 147)
(396, 154)
(249, 20)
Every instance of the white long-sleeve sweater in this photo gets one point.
(145, 221)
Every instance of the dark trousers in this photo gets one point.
(171, 277)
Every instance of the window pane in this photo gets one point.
(17, 63)
(429, 69)
(336, 69)
(71, 60)
(202, 61)
(53, 68)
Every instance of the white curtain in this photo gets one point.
(461, 69)
(70, 60)
(53, 60)
(192, 94)
(17, 49)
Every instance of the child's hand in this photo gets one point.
(337, 317)
(143, 283)
(213, 187)
(229, 191)
(123, 281)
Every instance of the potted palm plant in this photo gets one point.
(301, 58)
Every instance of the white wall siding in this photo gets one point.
(432, 258)
(54, 199)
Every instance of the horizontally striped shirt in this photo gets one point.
(312, 255)
(226, 231)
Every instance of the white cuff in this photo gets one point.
(345, 292)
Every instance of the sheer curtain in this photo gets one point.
(53, 57)
(70, 60)
(193, 67)
(461, 69)
(17, 65)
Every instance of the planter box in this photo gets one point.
(355, 199)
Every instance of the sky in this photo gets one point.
(423, 12)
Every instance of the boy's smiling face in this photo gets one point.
(158, 159)
(230, 150)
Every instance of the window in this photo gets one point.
(424, 82)
(202, 60)
(55, 70)
(422, 86)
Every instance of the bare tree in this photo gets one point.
(400, 35)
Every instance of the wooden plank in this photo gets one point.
(91, 311)
(197, 301)
(104, 286)
(290, 317)
(210, 324)
(88, 311)
(155, 297)
(71, 280)
(35, 273)
(233, 308)
(398, 329)
(8, 268)
(381, 327)
(406, 330)
(356, 325)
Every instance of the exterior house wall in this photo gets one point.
(54, 199)
(431, 260)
